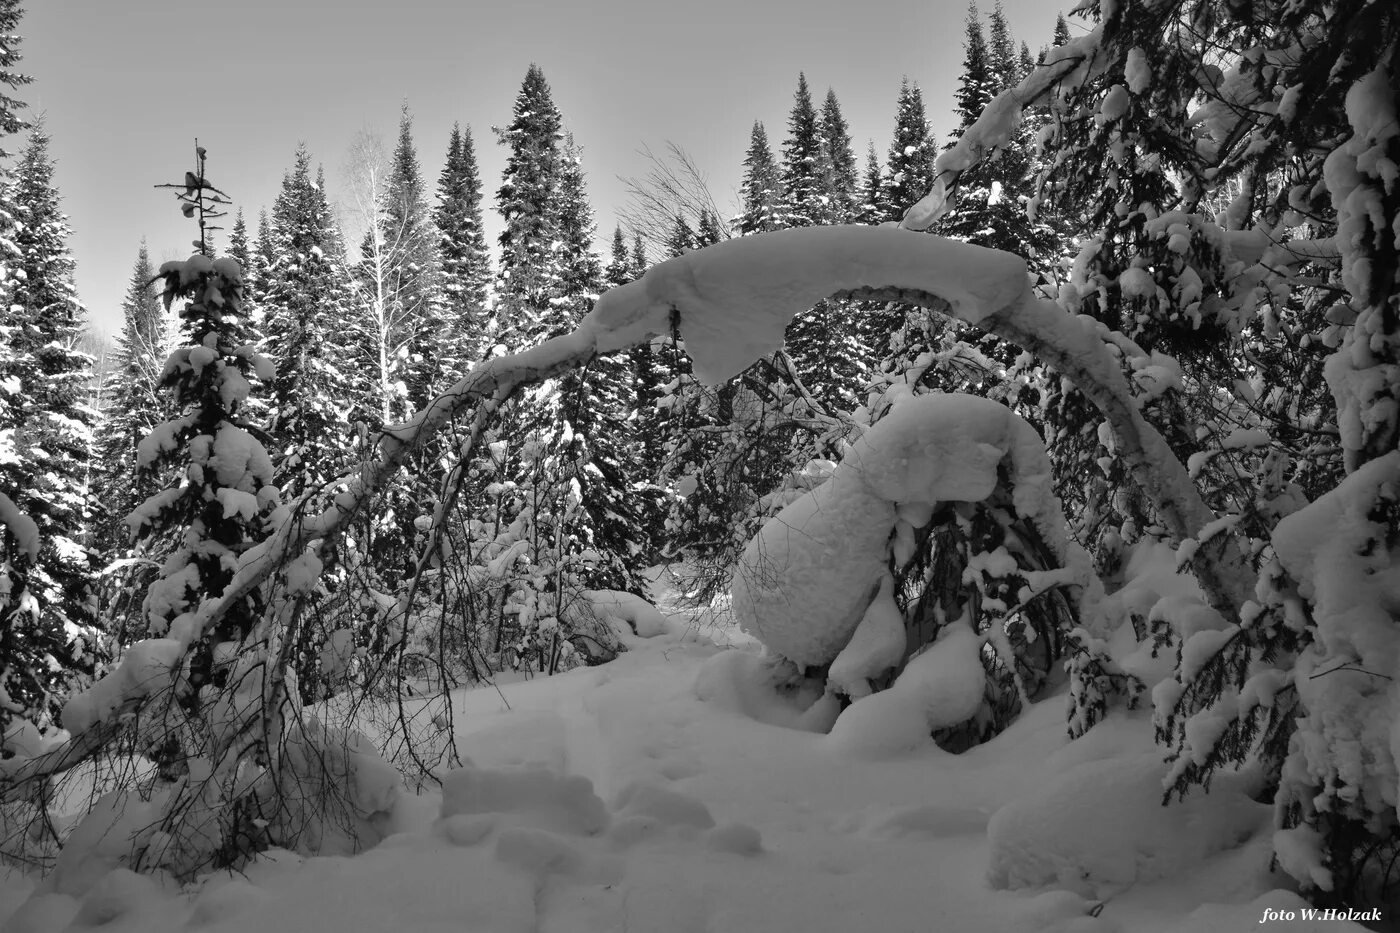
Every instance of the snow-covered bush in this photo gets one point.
(940, 518)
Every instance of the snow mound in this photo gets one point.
(635, 613)
(760, 689)
(648, 799)
(1101, 826)
(942, 686)
(877, 646)
(803, 582)
(560, 803)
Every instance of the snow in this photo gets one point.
(876, 647)
(1101, 827)
(640, 616)
(942, 686)
(804, 581)
(614, 798)
(735, 298)
(805, 578)
(21, 526)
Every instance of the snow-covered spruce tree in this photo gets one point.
(994, 195)
(760, 191)
(207, 699)
(466, 261)
(872, 183)
(304, 310)
(50, 640)
(529, 270)
(134, 405)
(908, 174)
(842, 183)
(560, 480)
(806, 168)
(1289, 142)
(304, 315)
(406, 225)
(216, 476)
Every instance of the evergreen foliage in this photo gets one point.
(134, 405)
(304, 315)
(806, 167)
(466, 261)
(530, 273)
(761, 189)
(49, 640)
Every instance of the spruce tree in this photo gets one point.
(909, 168)
(842, 182)
(707, 230)
(413, 297)
(994, 197)
(135, 404)
(527, 200)
(305, 315)
(466, 261)
(761, 189)
(872, 186)
(49, 640)
(805, 168)
(217, 478)
(580, 273)
(52, 422)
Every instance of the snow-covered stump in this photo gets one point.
(815, 585)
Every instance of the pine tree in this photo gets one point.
(527, 200)
(761, 189)
(805, 169)
(909, 168)
(842, 183)
(466, 261)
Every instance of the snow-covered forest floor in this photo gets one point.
(670, 791)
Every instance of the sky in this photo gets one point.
(126, 87)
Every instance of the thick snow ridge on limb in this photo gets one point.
(734, 299)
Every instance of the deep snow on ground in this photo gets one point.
(671, 791)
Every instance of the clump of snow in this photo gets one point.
(629, 609)
(21, 526)
(565, 804)
(804, 580)
(148, 666)
(649, 799)
(942, 686)
(876, 647)
(1101, 827)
